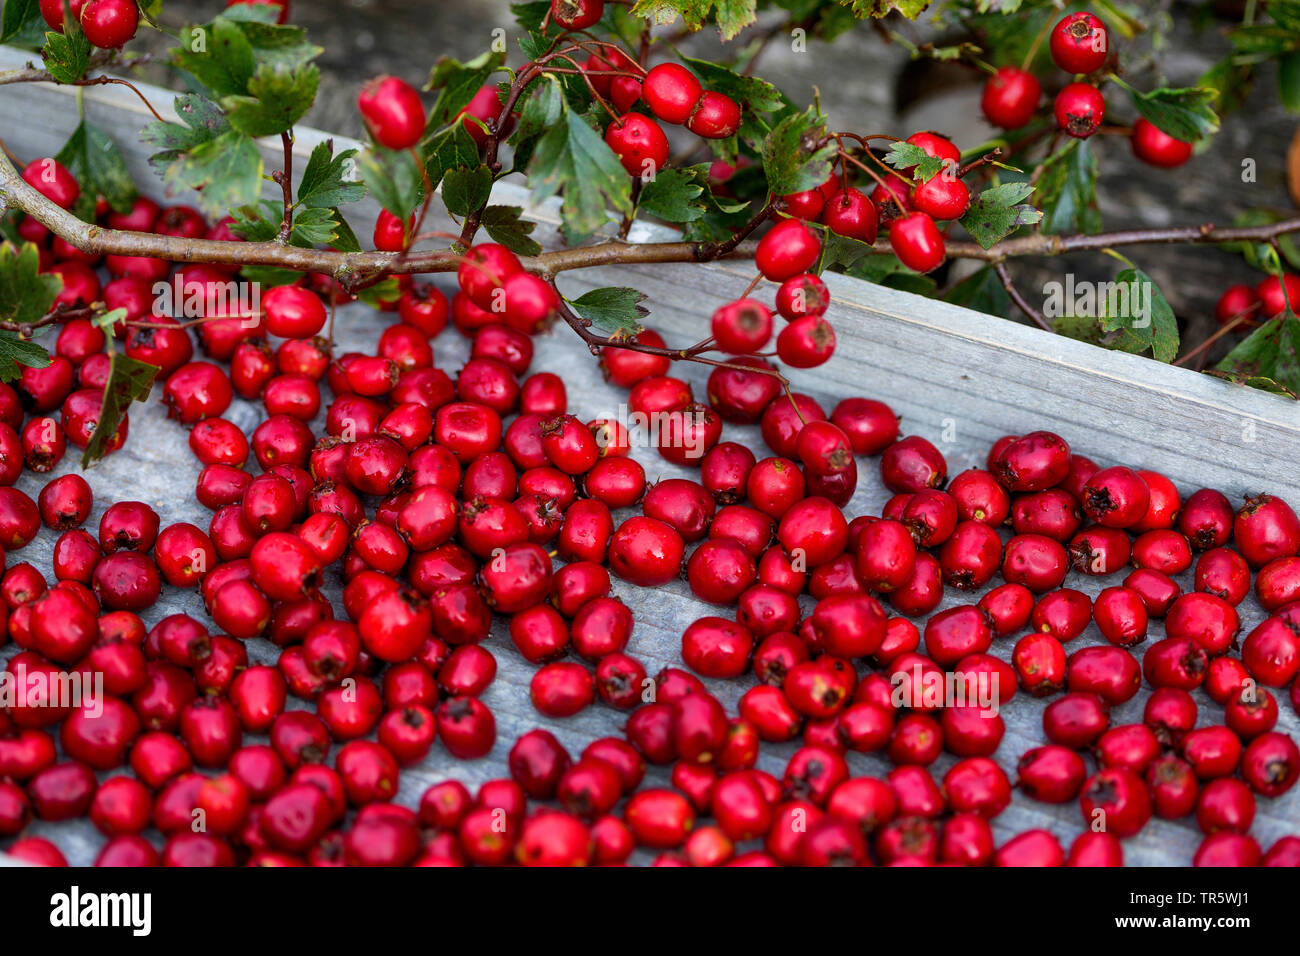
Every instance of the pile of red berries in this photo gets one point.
(441, 504)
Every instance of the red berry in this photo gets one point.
(1011, 97)
(639, 143)
(917, 242)
(392, 112)
(787, 250)
(671, 91)
(1079, 43)
(1155, 147)
(1080, 109)
(109, 24)
(716, 116)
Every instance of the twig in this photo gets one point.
(1003, 274)
(1227, 327)
(285, 178)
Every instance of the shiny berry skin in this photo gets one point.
(806, 343)
(911, 465)
(789, 249)
(1271, 652)
(1121, 616)
(1274, 293)
(917, 242)
(1051, 774)
(851, 213)
(671, 91)
(293, 312)
(1271, 764)
(109, 24)
(1223, 572)
(716, 116)
(1116, 800)
(1116, 497)
(1080, 110)
(716, 647)
(562, 689)
(466, 727)
(941, 197)
(1266, 529)
(646, 552)
(639, 143)
(1079, 43)
(1034, 561)
(886, 556)
(659, 818)
(392, 112)
(52, 180)
(1011, 97)
(742, 327)
(1208, 620)
(1157, 148)
(1099, 550)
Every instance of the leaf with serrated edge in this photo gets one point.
(615, 311)
(324, 182)
(506, 225)
(792, 159)
(999, 211)
(912, 159)
(275, 101)
(129, 380)
(572, 158)
(26, 293)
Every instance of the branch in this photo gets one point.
(1002, 272)
(285, 178)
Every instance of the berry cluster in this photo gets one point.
(1079, 45)
(108, 24)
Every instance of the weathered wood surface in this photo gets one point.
(958, 378)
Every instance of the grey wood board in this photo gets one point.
(959, 378)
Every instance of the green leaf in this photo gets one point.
(674, 195)
(883, 8)
(998, 212)
(268, 277)
(259, 223)
(1288, 81)
(506, 225)
(530, 15)
(328, 180)
(982, 291)
(205, 154)
(276, 100)
(393, 178)
(381, 293)
(572, 158)
(732, 15)
(457, 83)
(218, 55)
(1067, 190)
(1272, 351)
(26, 293)
(92, 156)
(16, 353)
(839, 251)
(466, 190)
(18, 17)
(313, 227)
(345, 240)
(1186, 114)
(449, 149)
(1136, 315)
(67, 54)
(129, 380)
(792, 158)
(542, 106)
(615, 311)
(105, 321)
(912, 159)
